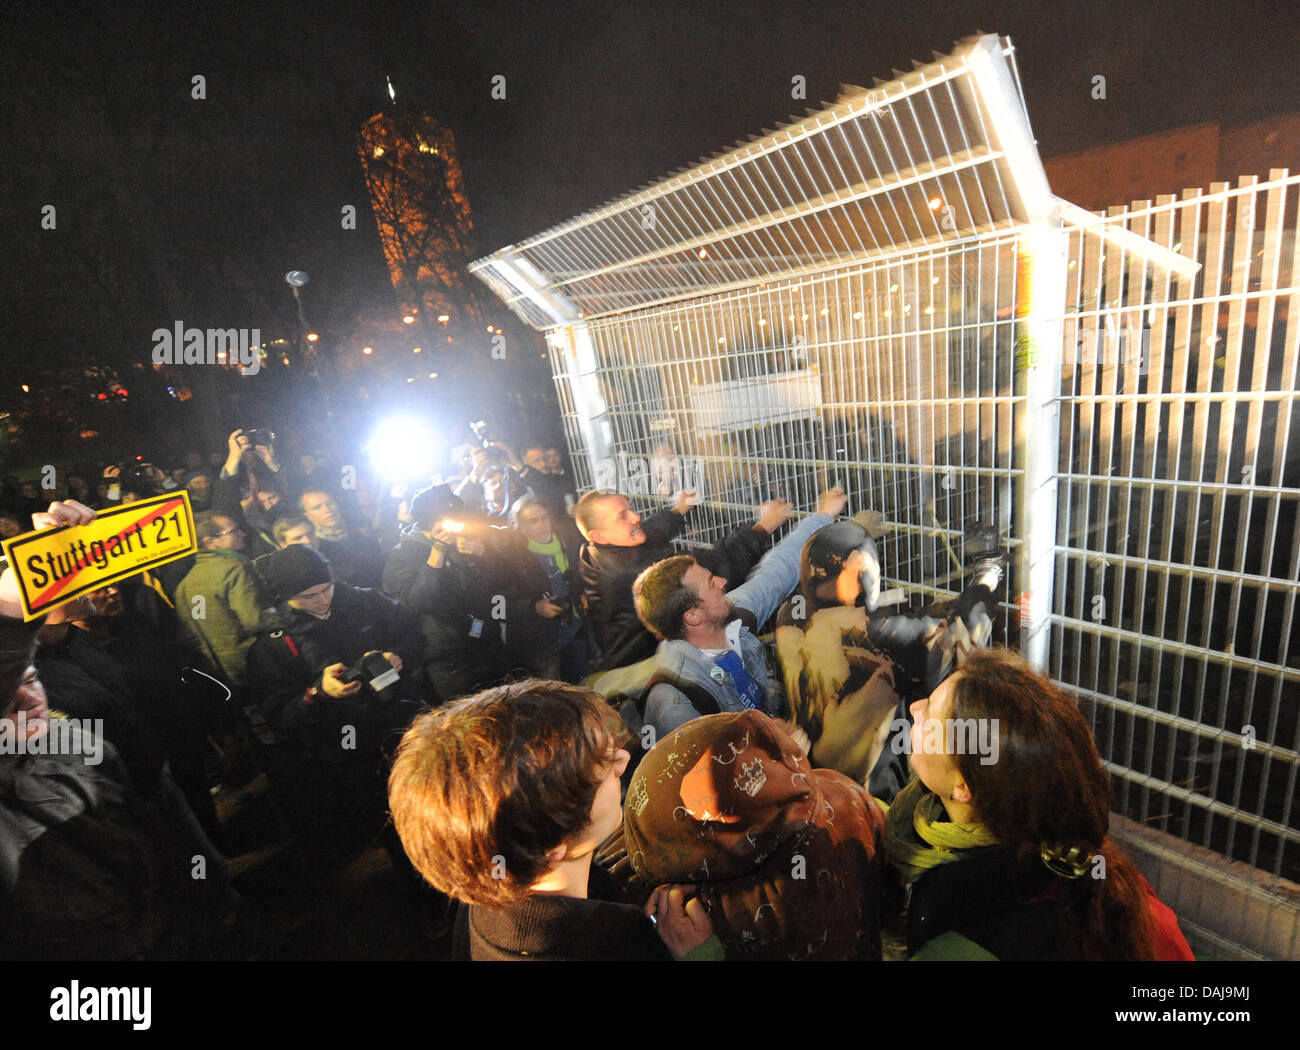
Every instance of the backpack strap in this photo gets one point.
(631, 710)
(701, 699)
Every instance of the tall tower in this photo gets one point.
(417, 193)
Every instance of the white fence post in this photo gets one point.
(1039, 346)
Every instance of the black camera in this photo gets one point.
(376, 675)
(570, 613)
(568, 609)
(449, 525)
(141, 479)
(259, 436)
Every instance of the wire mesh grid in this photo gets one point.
(838, 303)
(914, 161)
(1178, 538)
(893, 381)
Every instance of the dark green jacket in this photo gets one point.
(221, 626)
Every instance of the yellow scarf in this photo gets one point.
(917, 840)
(554, 549)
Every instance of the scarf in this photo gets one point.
(917, 840)
(221, 552)
(553, 550)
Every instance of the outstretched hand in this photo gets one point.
(772, 514)
(66, 512)
(832, 502)
(266, 453)
(684, 500)
(236, 444)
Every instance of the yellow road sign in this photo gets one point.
(54, 566)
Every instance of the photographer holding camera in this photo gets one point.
(322, 674)
(320, 631)
(250, 464)
(250, 486)
(493, 485)
(447, 573)
(134, 480)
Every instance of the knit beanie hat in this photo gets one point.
(294, 569)
(431, 504)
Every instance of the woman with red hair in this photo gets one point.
(1005, 846)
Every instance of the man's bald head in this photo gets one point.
(608, 518)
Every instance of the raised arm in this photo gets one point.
(777, 574)
(67, 512)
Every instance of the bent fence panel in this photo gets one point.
(885, 295)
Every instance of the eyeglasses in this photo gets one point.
(227, 532)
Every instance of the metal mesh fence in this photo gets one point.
(872, 297)
(893, 381)
(927, 159)
(1178, 541)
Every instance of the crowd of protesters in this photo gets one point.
(257, 653)
(405, 664)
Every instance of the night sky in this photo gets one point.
(601, 98)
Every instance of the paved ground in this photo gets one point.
(363, 909)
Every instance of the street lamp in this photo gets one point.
(295, 279)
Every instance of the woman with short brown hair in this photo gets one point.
(500, 801)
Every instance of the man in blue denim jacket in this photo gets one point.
(708, 643)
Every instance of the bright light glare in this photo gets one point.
(404, 447)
